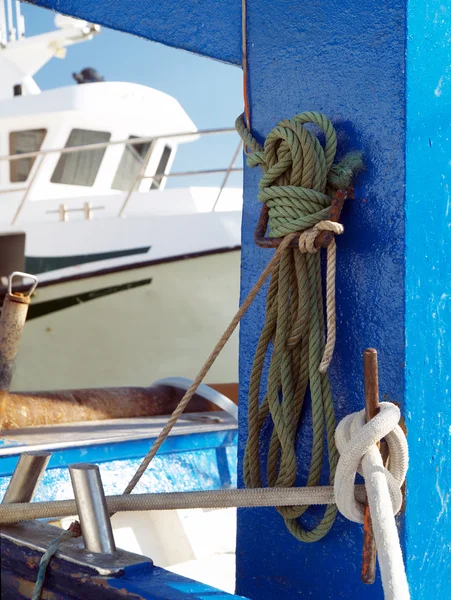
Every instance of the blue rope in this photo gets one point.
(73, 531)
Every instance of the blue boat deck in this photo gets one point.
(200, 453)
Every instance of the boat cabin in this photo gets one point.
(101, 113)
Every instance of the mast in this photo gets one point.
(21, 58)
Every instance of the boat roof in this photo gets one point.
(132, 103)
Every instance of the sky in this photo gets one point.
(209, 91)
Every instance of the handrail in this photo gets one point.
(27, 191)
(200, 172)
(40, 154)
(230, 170)
(128, 142)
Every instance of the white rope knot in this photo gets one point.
(307, 238)
(307, 245)
(356, 442)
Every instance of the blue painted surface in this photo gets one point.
(168, 586)
(111, 451)
(207, 27)
(348, 59)
(428, 298)
(66, 580)
(204, 461)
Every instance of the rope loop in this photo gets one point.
(308, 237)
(356, 441)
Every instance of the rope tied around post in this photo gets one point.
(299, 178)
(357, 444)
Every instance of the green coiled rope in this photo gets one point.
(298, 178)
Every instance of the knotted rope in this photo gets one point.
(356, 442)
(298, 178)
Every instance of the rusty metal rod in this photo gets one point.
(29, 409)
(371, 383)
(12, 321)
(322, 240)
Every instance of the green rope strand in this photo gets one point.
(297, 172)
(73, 531)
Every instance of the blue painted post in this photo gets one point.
(389, 94)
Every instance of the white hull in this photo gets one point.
(164, 328)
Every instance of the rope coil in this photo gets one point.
(296, 188)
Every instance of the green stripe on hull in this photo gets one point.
(41, 309)
(43, 264)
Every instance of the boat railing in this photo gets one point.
(39, 156)
(12, 25)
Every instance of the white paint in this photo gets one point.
(164, 329)
(21, 59)
(438, 89)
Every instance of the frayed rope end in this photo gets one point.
(341, 174)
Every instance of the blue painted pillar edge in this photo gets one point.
(428, 298)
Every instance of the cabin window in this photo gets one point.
(22, 142)
(81, 168)
(161, 169)
(131, 163)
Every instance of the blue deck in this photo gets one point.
(203, 461)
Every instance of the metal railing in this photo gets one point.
(12, 25)
(141, 176)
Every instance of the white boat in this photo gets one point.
(147, 277)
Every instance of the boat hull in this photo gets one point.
(132, 326)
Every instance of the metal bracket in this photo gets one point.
(323, 239)
(38, 536)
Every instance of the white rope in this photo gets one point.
(307, 244)
(356, 442)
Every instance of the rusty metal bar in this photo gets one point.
(371, 383)
(26, 477)
(29, 409)
(12, 321)
(323, 239)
